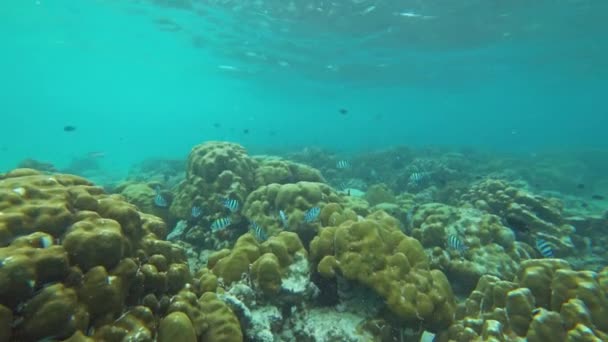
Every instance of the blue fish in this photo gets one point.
(455, 243)
(544, 248)
(283, 217)
(231, 204)
(196, 211)
(258, 232)
(343, 164)
(159, 199)
(312, 214)
(220, 224)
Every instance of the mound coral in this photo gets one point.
(273, 170)
(536, 216)
(263, 206)
(374, 252)
(76, 261)
(547, 302)
(490, 247)
(267, 264)
(214, 171)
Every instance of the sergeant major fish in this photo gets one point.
(258, 232)
(544, 248)
(231, 204)
(455, 243)
(159, 199)
(312, 214)
(221, 224)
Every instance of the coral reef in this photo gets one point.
(263, 206)
(375, 253)
(273, 170)
(77, 261)
(490, 247)
(547, 302)
(530, 215)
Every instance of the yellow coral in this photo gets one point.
(378, 255)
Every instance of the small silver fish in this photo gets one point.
(221, 224)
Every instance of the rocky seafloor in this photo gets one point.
(393, 245)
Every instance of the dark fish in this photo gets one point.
(455, 243)
(544, 248)
(312, 214)
(517, 224)
(217, 125)
(598, 197)
(584, 205)
(342, 164)
(258, 232)
(580, 186)
(196, 211)
(220, 224)
(159, 199)
(246, 131)
(231, 204)
(69, 128)
(343, 111)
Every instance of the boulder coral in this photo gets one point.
(373, 252)
(214, 171)
(273, 170)
(548, 301)
(490, 247)
(532, 215)
(266, 265)
(77, 262)
(263, 206)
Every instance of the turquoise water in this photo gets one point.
(151, 78)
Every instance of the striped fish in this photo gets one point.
(312, 214)
(221, 224)
(544, 248)
(455, 243)
(417, 177)
(231, 204)
(258, 232)
(343, 164)
(196, 211)
(283, 217)
(159, 199)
